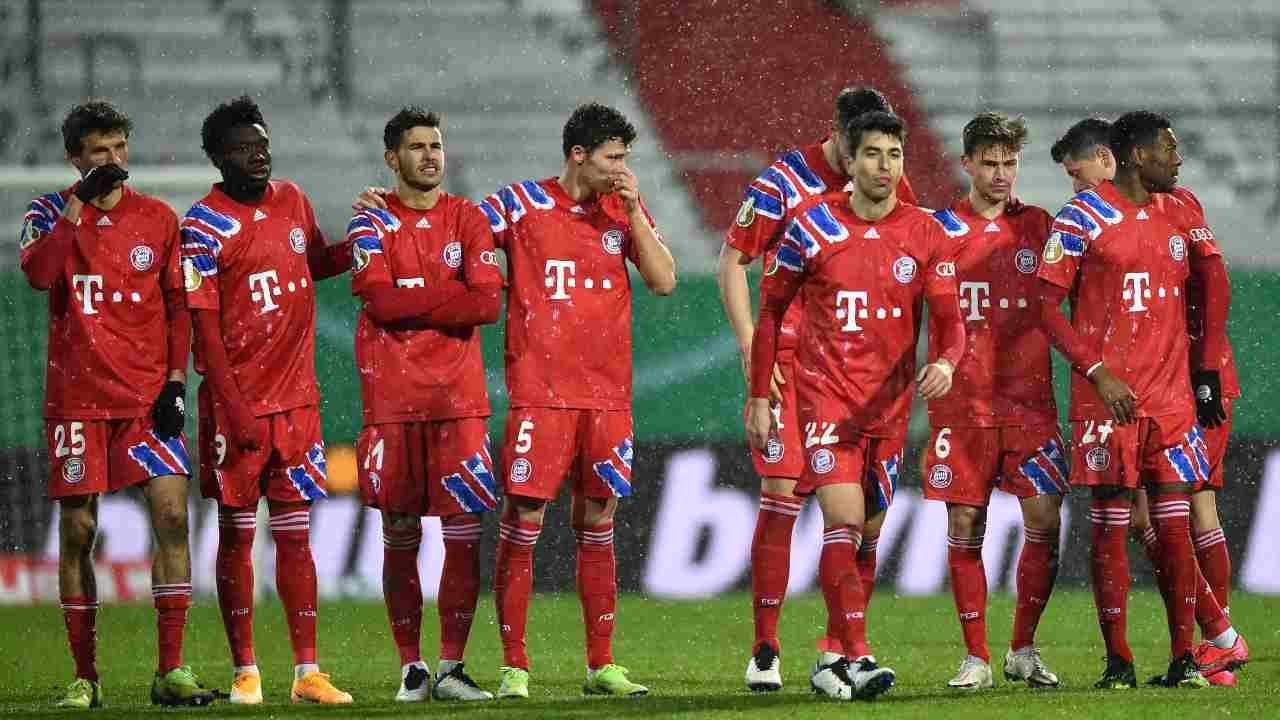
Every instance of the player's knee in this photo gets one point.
(399, 522)
(778, 486)
(170, 524)
(594, 512)
(1042, 513)
(966, 520)
(77, 530)
(528, 510)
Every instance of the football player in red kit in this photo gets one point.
(767, 209)
(119, 338)
(998, 427)
(864, 264)
(425, 270)
(251, 255)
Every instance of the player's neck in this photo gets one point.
(107, 202)
(869, 209)
(1130, 186)
(245, 195)
(417, 199)
(571, 182)
(984, 207)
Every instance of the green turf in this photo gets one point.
(691, 654)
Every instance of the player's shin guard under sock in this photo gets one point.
(1215, 564)
(1171, 517)
(1109, 571)
(771, 562)
(969, 587)
(81, 617)
(459, 583)
(1037, 571)
(296, 579)
(597, 590)
(402, 589)
(842, 588)
(234, 580)
(172, 602)
(512, 584)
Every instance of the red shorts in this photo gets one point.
(88, 457)
(964, 464)
(1161, 450)
(776, 461)
(438, 468)
(544, 445)
(870, 462)
(289, 467)
(1216, 440)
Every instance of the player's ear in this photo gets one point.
(393, 162)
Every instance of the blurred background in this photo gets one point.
(716, 89)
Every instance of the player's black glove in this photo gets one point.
(169, 413)
(1208, 388)
(99, 181)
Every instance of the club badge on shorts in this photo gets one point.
(823, 461)
(521, 470)
(1098, 459)
(940, 476)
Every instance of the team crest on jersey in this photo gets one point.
(1026, 261)
(1177, 248)
(298, 240)
(521, 470)
(773, 451)
(453, 254)
(191, 277)
(904, 269)
(940, 477)
(612, 241)
(1053, 250)
(73, 471)
(823, 461)
(746, 213)
(141, 258)
(1098, 459)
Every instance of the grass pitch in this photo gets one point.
(690, 654)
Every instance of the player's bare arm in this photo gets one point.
(653, 259)
(735, 295)
(1114, 392)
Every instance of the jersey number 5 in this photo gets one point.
(524, 436)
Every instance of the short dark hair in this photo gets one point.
(875, 121)
(409, 117)
(1082, 139)
(994, 129)
(1140, 128)
(93, 116)
(858, 100)
(592, 125)
(240, 111)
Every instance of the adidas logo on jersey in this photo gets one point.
(259, 215)
(871, 234)
(992, 227)
(104, 221)
(422, 223)
(1142, 215)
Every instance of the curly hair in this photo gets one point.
(1140, 128)
(593, 125)
(93, 116)
(240, 111)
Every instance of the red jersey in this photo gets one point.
(568, 298)
(108, 328)
(249, 263)
(1184, 204)
(863, 286)
(409, 375)
(1005, 376)
(769, 207)
(1126, 267)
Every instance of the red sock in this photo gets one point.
(771, 563)
(402, 589)
(969, 587)
(866, 559)
(842, 588)
(1210, 616)
(81, 617)
(1037, 571)
(1171, 517)
(172, 602)
(234, 573)
(597, 590)
(512, 585)
(296, 579)
(459, 583)
(1215, 563)
(1109, 569)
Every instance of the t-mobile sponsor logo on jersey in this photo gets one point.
(974, 296)
(265, 287)
(561, 275)
(1137, 287)
(88, 290)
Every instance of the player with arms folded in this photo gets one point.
(1123, 260)
(1085, 154)
(119, 337)
(998, 427)
(768, 208)
(425, 270)
(251, 255)
(864, 264)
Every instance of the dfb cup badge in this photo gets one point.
(1053, 250)
(190, 276)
